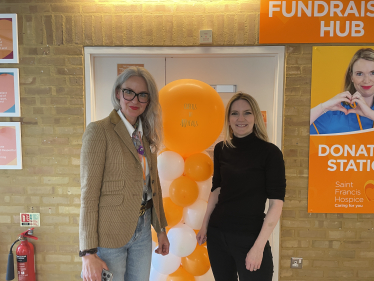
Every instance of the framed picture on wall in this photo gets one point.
(9, 92)
(8, 38)
(10, 146)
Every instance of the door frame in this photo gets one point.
(278, 52)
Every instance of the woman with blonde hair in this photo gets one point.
(120, 189)
(248, 170)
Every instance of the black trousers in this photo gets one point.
(227, 253)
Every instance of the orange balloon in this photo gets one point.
(154, 235)
(192, 114)
(183, 191)
(163, 150)
(180, 275)
(198, 167)
(173, 212)
(197, 231)
(198, 262)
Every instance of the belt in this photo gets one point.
(145, 207)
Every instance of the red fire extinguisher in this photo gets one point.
(25, 258)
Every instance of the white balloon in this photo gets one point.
(156, 276)
(170, 165)
(206, 277)
(194, 214)
(165, 187)
(165, 264)
(182, 240)
(204, 188)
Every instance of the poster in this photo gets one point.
(9, 92)
(341, 149)
(306, 21)
(10, 145)
(8, 38)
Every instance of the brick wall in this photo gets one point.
(52, 34)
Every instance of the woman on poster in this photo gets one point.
(248, 170)
(120, 189)
(352, 110)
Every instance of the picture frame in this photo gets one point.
(9, 92)
(8, 38)
(10, 146)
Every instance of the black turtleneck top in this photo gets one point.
(247, 174)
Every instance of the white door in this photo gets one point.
(257, 71)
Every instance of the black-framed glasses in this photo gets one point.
(129, 95)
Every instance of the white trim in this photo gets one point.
(271, 51)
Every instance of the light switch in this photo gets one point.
(206, 37)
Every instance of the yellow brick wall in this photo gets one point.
(52, 34)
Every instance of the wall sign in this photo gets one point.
(9, 92)
(341, 148)
(8, 38)
(316, 21)
(10, 145)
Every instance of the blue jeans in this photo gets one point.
(131, 262)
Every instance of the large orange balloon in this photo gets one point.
(193, 116)
(198, 167)
(183, 191)
(180, 275)
(198, 262)
(173, 212)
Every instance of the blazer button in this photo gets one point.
(154, 193)
(153, 181)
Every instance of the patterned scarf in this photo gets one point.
(137, 139)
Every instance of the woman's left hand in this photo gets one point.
(254, 258)
(163, 244)
(362, 108)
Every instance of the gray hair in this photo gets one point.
(152, 115)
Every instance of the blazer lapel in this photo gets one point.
(147, 151)
(121, 130)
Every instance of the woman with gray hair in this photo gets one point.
(120, 188)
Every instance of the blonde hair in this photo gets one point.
(259, 128)
(152, 115)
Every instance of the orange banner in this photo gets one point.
(316, 21)
(341, 173)
(341, 147)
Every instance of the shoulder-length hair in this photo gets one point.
(259, 128)
(364, 53)
(152, 115)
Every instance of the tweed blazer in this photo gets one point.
(112, 185)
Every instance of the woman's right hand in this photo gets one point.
(334, 103)
(92, 266)
(201, 235)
